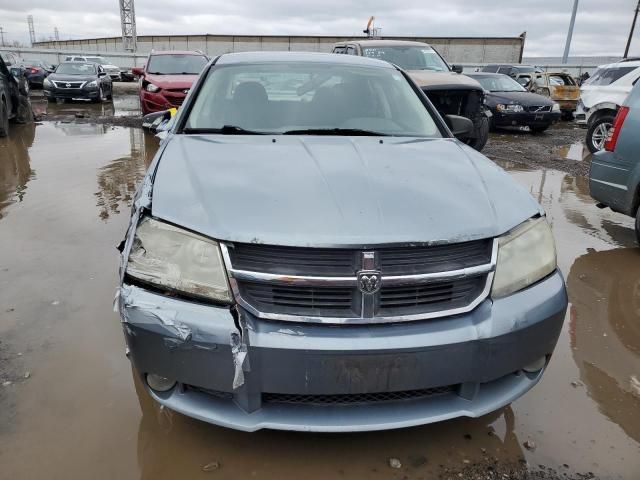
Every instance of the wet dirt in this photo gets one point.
(559, 148)
(65, 194)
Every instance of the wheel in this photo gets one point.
(4, 119)
(598, 131)
(100, 97)
(481, 134)
(539, 129)
(25, 112)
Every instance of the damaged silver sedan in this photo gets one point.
(312, 249)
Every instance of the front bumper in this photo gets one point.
(478, 356)
(157, 102)
(526, 119)
(72, 93)
(567, 105)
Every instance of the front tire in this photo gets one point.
(598, 131)
(481, 135)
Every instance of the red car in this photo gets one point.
(167, 77)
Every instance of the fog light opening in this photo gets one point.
(535, 366)
(159, 383)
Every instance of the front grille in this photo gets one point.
(356, 398)
(293, 260)
(300, 300)
(539, 108)
(430, 297)
(68, 85)
(360, 286)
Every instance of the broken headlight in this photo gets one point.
(525, 255)
(179, 260)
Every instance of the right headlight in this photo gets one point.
(525, 255)
(172, 258)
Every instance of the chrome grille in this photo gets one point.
(539, 108)
(325, 285)
(69, 85)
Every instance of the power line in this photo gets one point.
(633, 26)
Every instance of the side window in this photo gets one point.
(339, 50)
(351, 50)
(540, 81)
(78, 59)
(505, 70)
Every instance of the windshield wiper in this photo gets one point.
(225, 130)
(336, 131)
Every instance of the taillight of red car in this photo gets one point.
(614, 131)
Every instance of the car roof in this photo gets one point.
(486, 74)
(311, 57)
(384, 43)
(631, 63)
(177, 52)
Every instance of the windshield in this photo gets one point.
(176, 64)
(606, 76)
(408, 57)
(99, 60)
(499, 83)
(76, 68)
(294, 97)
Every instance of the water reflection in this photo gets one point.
(119, 179)
(604, 289)
(15, 168)
(171, 445)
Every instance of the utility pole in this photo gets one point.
(567, 46)
(633, 27)
(128, 21)
(32, 32)
(56, 34)
(1, 37)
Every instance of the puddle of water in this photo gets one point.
(65, 192)
(122, 105)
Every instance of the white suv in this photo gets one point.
(113, 71)
(601, 96)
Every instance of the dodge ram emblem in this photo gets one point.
(369, 281)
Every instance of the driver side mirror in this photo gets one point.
(138, 71)
(461, 127)
(158, 121)
(457, 68)
(102, 74)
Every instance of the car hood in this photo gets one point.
(171, 81)
(61, 77)
(523, 98)
(432, 80)
(592, 95)
(335, 191)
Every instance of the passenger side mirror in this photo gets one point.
(102, 74)
(158, 121)
(457, 68)
(137, 71)
(461, 127)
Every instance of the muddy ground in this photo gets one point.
(71, 408)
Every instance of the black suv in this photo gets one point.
(14, 100)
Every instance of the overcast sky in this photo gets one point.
(601, 27)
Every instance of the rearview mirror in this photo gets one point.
(137, 71)
(461, 127)
(457, 68)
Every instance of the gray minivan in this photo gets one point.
(614, 179)
(312, 249)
